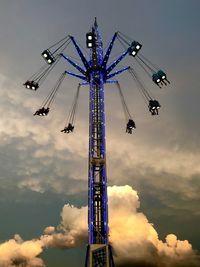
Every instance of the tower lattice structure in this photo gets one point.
(99, 253)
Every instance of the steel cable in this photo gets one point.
(72, 114)
(50, 98)
(145, 94)
(124, 105)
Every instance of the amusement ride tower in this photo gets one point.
(95, 72)
(98, 249)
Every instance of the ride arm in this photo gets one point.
(111, 81)
(74, 64)
(117, 61)
(84, 60)
(117, 72)
(76, 75)
(106, 57)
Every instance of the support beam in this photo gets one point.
(111, 81)
(76, 75)
(117, 61)
(74, 64)
(84, 60)
(117, 73)
(106, 57)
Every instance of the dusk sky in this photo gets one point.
(153, 174)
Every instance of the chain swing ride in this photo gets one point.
(95, 72)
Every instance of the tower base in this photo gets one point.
(99, 255)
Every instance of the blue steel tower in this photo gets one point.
(95, 72)
(98, 252)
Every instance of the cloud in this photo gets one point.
(34, 184)
(16, 252)
(72, 231)
(134, 239)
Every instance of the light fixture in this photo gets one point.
(27, 84)
(90, 39)
(134, 48)
(156, 104)
(48, 57)
(162, 75)
(160, 78)
(31, 85)
(156, 79)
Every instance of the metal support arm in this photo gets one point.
(84, 60)
(106, 57)
(114, 64)
(74, 64)
(76, 75)
(117, 72)
(111, 81)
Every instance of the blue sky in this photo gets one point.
(41, 169)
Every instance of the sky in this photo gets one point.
(154, 174)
